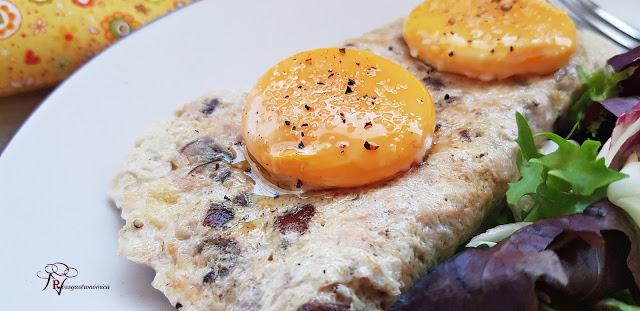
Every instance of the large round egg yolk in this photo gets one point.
(338, 118)
(489, 39)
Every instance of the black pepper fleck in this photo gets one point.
(287, 122)
(370, 145)
(331, 75)
(357, 64)
(301, 145)
(307, 107)
(368, 125)
(349, 90)
(511, 48)
(301, 134)
(304, 124)
(320, 83)
(493, 50)
(299, 184)
(342, 50)
(224, 177)
(446, 96)
(351, 82)
(450, 53)
(178, 305)
(299, 86)
(293, 128)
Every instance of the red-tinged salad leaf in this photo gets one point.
(563, 182)
(625, 60)
(594, 121)
(625, 139)
(600, 118)
(616, 106)
(575, 258)
(631, 59)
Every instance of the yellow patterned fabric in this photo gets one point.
(43, 41)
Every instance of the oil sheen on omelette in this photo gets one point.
(338, 118)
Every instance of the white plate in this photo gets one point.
(55, 173)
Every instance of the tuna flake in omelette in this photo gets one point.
(191, 215)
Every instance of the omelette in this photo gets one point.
(188, 189)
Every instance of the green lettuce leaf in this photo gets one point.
(597, 86)
(563, 182)
(614, 305)
(577, 165)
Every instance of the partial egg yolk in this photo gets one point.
(489, 39)
(338, 118)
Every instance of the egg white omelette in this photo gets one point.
(395, 190)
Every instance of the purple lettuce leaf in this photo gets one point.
(569, 258)
(625, 139)
(631, 85)
(600, 118)
(619, 106)
(604, 99)
(625, 60)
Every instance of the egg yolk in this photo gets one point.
(489, 39)
(338, 118)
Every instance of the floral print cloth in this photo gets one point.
(43, 41)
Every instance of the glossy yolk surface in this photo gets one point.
(491, 39)
(338, 118)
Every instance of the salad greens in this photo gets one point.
(563, 182)
(598, 86)
(582, 250)
(564, 259)
(615, 305)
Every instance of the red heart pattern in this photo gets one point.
(30, 58)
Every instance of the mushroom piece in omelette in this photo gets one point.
(187, 194)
